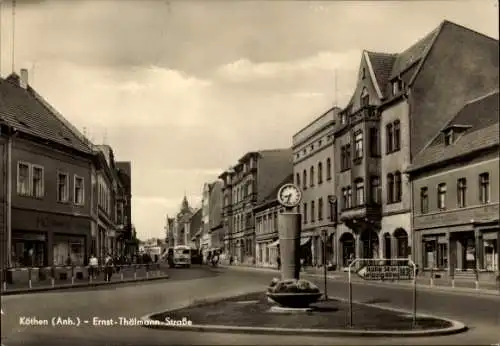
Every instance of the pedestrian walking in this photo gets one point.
(93, 266)
(215, 259)
(278, 261)
(108, 268)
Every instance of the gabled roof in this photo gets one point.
(26, 111)
(479, 129)
(414, 53)
(273, 196)
(381, 64)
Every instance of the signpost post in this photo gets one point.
(325, 237)
(375, 270)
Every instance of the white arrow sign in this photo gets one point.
(383, 272)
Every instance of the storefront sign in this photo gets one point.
(36, 221)
(466, 215)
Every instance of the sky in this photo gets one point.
(184, 88)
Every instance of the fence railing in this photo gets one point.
(52, 276)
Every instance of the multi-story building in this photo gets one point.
(106, 189)
(216, 226)
(313, 169)
(266, 227)
(196, 229)
(124, 207)
(400, 101)
(48, 170)
(246, 185)
(424, 91)
(205, 241)
(357, 162)
(455, 189)
(181, 226)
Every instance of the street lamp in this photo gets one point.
(325, 235)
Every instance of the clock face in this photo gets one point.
(289, 195)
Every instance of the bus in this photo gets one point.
(181, 256)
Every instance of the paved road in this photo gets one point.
(135, 301)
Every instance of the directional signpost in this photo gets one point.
(377, 270)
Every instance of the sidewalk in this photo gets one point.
(124, 276)
(464, 286)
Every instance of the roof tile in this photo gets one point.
(22, 109)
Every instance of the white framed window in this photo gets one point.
(23, 178)
(358, 145)
(79, 193)
(62, 187)
(37, 181)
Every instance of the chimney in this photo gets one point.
(23, 80)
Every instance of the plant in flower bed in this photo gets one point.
(329, 314)
(293, 293)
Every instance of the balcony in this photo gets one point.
(362, 216)
(365, 113)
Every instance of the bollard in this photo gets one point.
(72, 275)
(452, 283)
(121, 273)
(135, 272)
(29, 278)
(5, 285)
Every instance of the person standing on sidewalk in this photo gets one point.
(93, 266)
(108, 268)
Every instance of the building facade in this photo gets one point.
(455, 182)
(124, 207)
(266, 228)
(181, 224)
(357, 163)
(205, 241)
(216, 226)
(244, 186)
(423, 92)
(49, 174)
(4, 143)
(314, 173)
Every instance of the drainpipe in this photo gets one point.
(12, 133)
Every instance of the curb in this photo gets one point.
(455, 328)
(443, 289)
(81, 285)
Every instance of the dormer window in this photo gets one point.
(397, 86)
(365, 98)
(343, 118)
(449, 137)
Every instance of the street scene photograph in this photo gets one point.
(249, 172)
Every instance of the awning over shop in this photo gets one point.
(274, 243)
(304, 241)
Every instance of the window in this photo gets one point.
(37, 183)
(23, 179)
(348, 156)
(343, 163)
(448, 137)
(79, 196)
(360, 192)
(441, 196)
(344, 198)
(328, 169)
(397, 86)
(358, 145)
(304, 180)
(297, 179)
(388, 138)
(305, 213)
(62, 187)
(320, 173)
(390, 188)
(484, 188)
(363, 73)
(349, 197)
(397, 135)
(320, 142)
(375, 190)
(424, 200)
(398, 191)
(343, 118)
(461, 192)
(374, 145)
(365, 98)
(312, 211)
(320, 209)
(311, 176)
